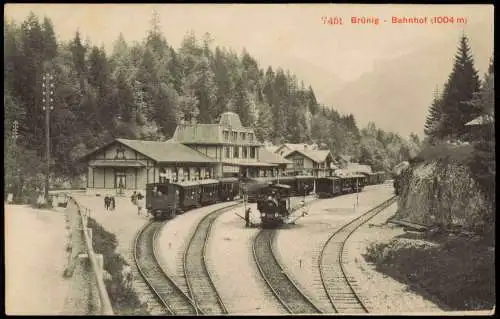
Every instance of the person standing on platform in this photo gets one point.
(113, 203)
(106, 202)
(247, 217)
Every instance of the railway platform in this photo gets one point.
(35, 259)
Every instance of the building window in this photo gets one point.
(250, 137)
(298, 162)
(235, 136)
(197, 174)
(120, 153)
(236, 151)
(228, 152)
(242, 136)
(226, 136)
(252, 152)
(208, 174)
(245, 152)
(186, 175)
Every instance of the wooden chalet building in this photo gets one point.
(124, 166)
(318, 163)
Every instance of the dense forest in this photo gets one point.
(142, 90)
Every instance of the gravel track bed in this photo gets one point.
(386, 295)
(298, 246)
(173, 239)
(230, 261)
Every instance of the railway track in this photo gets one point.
(198, 278)
(338, 286)
(168, 293)
(283, 288)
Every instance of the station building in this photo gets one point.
(195, 152)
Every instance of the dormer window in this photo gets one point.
(120, 153)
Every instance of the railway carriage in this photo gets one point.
(189, 195)
(209, 191)
(305, 184)
(345, 184)
(254, 186)
(229, 188)
(162, 200)
(328, 186)
(290, 181)
(357, 183)
(274, 205)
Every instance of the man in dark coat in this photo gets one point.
(106, 202)
(247, 217)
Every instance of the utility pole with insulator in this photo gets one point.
(47, 100)
(15, 130)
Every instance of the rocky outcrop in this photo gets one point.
(443, 193)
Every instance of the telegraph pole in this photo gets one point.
(47, 100)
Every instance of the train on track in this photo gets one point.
(274, 205)
(167, 199)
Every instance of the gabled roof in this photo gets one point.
(268, 157)
(358, 168)
(164, 152)
(161, 152)
(481, 120)
(318, 156)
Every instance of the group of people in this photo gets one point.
(138, 200)
(109, 202)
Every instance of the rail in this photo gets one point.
(93, 298)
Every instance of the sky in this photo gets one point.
(291, 36)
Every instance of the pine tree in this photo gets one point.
(462, 83)
(78, 51)
(433, 120)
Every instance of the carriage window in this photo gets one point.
(120, 153)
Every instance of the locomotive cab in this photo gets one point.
(162, 200)
(274, 204)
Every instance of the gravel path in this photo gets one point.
(230, 261)
(385, 294)
(299, 246)
(35, 259)
(124, 223)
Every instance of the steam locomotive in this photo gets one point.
(273, 205)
